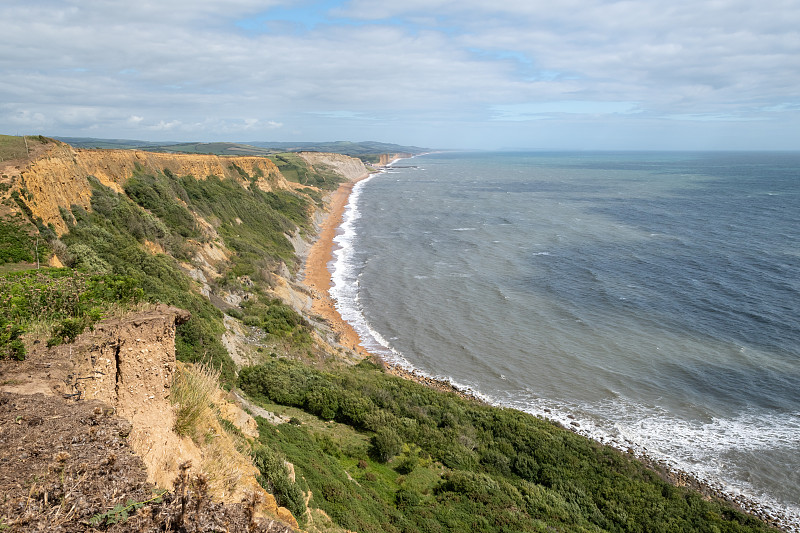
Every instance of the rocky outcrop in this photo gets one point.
(59, 176)
(127, 364)
(350, 167)
(388, 158)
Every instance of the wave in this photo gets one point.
(732, 452)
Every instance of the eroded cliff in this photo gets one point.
(59, 177)
(350, 168)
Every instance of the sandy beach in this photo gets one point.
(318, 278)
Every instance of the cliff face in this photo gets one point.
(59, 177)
(349, 167)
(128, 365)
(388, 158)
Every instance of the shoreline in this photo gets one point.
(318, 278)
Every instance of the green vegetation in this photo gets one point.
(429, 461)
(275, 480)
(356, 149)
(294, 168)
(109, 239)
(159, 195)
(18, 245)
(252, 222)
(277, 320)
(74, 300)
(161, 209)
(120, 512)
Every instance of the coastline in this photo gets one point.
(319, 279)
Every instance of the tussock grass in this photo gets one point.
(192, 392)
(195, 391)
(221, 463)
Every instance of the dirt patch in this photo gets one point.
(126, 363)
(67, 465)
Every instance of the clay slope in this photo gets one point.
(350, 167)
(59, 176)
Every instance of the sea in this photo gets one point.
(650, 301)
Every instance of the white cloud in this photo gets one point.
(433, 68)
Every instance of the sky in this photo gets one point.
(442, 74)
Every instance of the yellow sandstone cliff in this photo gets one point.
(59, 176)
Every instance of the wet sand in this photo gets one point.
(318, 278)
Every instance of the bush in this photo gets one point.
(386, 443)
(274, 477)
(11, 345)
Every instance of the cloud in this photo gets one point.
(410, 71)
(541, 110)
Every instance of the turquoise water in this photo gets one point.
(648, 300)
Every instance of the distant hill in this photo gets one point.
(364, 149)
(92, 142)
(342, 147)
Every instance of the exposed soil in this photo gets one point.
(66, 466)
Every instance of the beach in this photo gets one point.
(317, 276)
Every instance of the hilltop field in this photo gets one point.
(162, 368)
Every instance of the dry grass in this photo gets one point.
(193, 389)
(220, 462)
(194, 392)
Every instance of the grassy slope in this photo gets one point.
(378, 453)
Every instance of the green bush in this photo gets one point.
(76, 300)
(386, 443)
(11, 345)
(274, 477)
(502, 470)
(17, 245)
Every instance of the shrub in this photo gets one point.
(11, 345)
(386, 443)
(274, 477)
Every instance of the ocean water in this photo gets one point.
(648, 300)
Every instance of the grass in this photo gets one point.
(64, 300)
(12, 147)
(192, 392)
(294, 168)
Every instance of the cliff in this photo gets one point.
(59, 176)
(388, 158)
(348, 167)
(124, 368)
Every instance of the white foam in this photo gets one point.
(695, 447)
